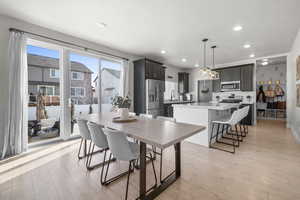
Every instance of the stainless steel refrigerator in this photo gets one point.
(155, 97)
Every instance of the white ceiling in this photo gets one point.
(144, 27)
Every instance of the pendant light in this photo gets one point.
(214, 75)
(204, 70)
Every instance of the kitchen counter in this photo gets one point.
(202, 114)
(210, 106)
(177, 102)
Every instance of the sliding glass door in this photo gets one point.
(44, 107)
(84, 95)
(111, 72)
(64, 84)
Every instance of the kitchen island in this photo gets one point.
(202, 114)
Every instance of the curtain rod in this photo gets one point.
(68, 43)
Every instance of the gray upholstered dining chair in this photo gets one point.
(99, 140)
(161, 151)
(123, 150)
(85, 136)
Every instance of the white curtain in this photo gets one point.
(15, 133)
(125, 79)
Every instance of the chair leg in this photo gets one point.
(80, 157)
(128, 176)
(108, 181)
(102, 170)
(233, 144)
(151, 158)
(88, 154)
(212, 133)
(160, 166)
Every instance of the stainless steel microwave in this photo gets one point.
(230, 86)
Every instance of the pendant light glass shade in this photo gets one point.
(206, 72)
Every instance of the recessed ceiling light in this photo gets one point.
(246, 46)
(101, 25)
(264, 63)
(237, 28)
(183, 59)
(196, 65)
(163, 52)
(265, 60)
(252, 56)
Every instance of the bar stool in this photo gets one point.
(226, 124)
(242, 124)
(99, 139)
(123, 150)
(161, 151)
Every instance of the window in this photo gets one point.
(54, 73)
(77, 75)
(77, 92)
(48, 90)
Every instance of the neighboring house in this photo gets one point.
(110, 84)
(43, 77)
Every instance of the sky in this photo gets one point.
(91, 62)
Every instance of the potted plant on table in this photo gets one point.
(123, 105)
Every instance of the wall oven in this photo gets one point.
(230, 86)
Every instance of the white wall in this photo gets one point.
(171, 83)
(293, 111)
(5, 24)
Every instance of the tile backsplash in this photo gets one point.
(238, 95)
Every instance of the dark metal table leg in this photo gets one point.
(178, 159)
(142, 170)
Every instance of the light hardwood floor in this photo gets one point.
(265, 167)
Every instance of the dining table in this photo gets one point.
(157, 133)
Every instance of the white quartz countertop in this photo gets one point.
(177, 101)
(209, 106)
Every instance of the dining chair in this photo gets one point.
(99, 140)
(161, 150)
(85, 136)
(122, 150)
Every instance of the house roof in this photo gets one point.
(114, 72)
(48, 62)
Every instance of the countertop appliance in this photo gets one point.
(155, 97)
(230, 86)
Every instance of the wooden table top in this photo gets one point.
(159, 133)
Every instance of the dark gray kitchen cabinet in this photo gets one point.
(183, 82)
(247, 78)
(145, 69)
(231, 74)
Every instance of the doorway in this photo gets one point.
(271, 90)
